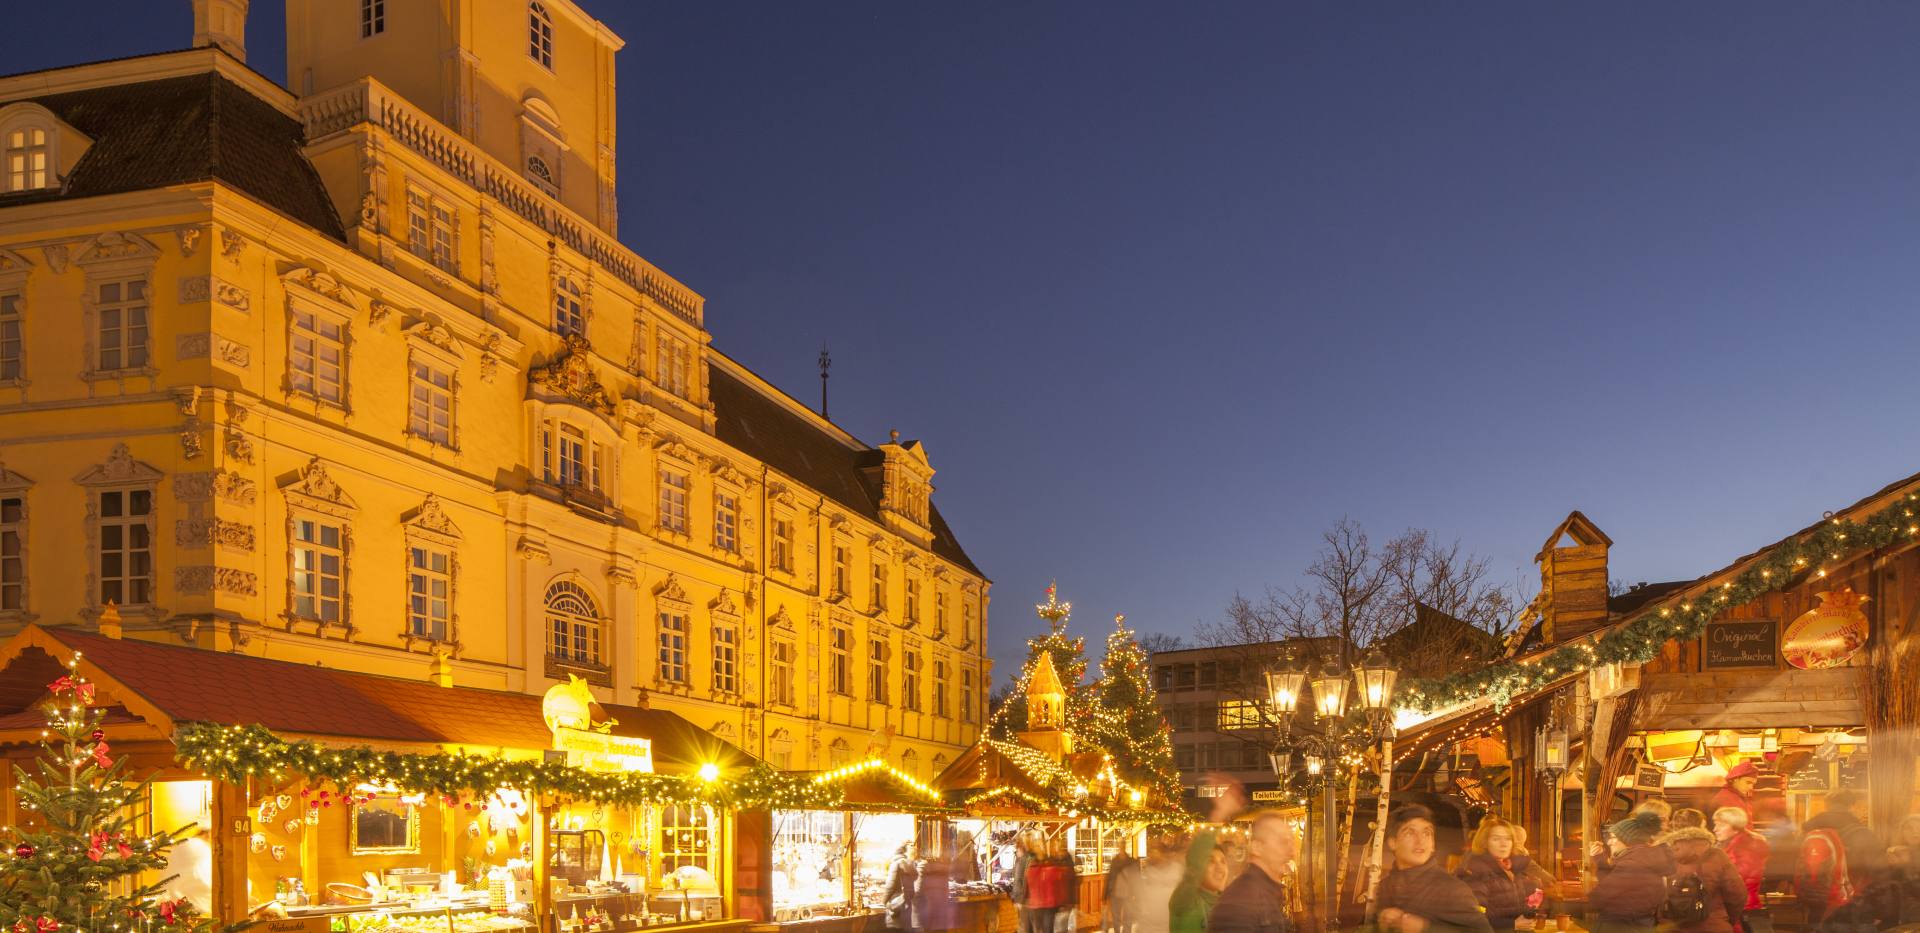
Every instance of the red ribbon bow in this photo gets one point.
(66, 684)
(170, 911)
(100, 755)
(41, 925)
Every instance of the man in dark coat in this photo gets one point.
(1628, 897)
(1866, 857)
(1418, 896)
(1256, 902)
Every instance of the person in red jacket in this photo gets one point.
(1748, 850)
(1738, 791)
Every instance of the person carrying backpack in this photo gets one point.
(1629, 896)
(1839, 859)
(1705, 893)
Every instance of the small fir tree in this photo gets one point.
(1069, 661)
(1128, 719)
(78, 856)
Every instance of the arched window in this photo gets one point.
(540, 34)
(573, 624)
(910, 763)
(538, 167)
(780, 750)
(939, 766)
(839, 754)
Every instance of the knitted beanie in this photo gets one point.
(1637, 829)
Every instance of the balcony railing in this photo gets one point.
(369, 101)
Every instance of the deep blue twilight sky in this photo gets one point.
(1169, 288)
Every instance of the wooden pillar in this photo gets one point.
(543, 806)
(232, 828)
(752, 864)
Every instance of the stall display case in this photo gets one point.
(809, 864)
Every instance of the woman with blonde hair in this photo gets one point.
(1498, 872)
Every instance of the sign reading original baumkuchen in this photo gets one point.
(1746, 643)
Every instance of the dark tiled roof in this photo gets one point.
(1642, 594)
(196, 685)
(766, 430)
(187, 129)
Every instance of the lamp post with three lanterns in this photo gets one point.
(1322, 753)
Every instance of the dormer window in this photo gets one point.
(28, 159)
(540, 35)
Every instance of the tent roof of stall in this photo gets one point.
(165, 685)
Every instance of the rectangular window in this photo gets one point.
(316, 356)
(1209, 675)
(123, 324)
(443, 237)
(966, 694)
(317, 560)
(842, 577)
(1183, 677)
(840, 661)
(783, 544)
(1183, 757)
(673, 501)
(373, 18)
(726, 656)
(570, 458)
(910, 680)
(568, 316)
(13, 554)
(686, 837)
(726, 522)
(780, 684)
(670, 364)
(126, 547)
(913, 599)
(939, 611)
(430, 410)
(12, 351)
(27, 159)
(419, 226)
(540, 34)
(1163, 678)
(673, 647)
(877, 670)
(879, 589)
(430, 230)
(966, 620)
(1239, 714)
(429, 593)
(940, 689)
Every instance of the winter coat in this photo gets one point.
(1630, 894)
(934, 903)
(1158, 880)
(1188, 908)
(1866, 854)
(1254, 903)
(1502, 892)
(1728, 797)
(903, 895)
(1051, 884)
(1447, 903)
(1749, 852)
(1020, 865)
(1725, 892)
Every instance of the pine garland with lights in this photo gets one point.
(1127, 717)
(1640, 639)
(238, 753)
(77, 856)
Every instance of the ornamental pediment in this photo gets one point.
(120, 467)
(572, 376)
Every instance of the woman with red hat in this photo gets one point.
(1739, 790)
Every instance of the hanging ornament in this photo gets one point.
(23, 850)
(99, 735)
(292, 826)
(257, 843)
(1829, 634)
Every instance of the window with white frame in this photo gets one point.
(673, 646)
(569, 457)
(430, 404)
(839, 753)
(373, 18)
(430, 229)
(939, 610)
(726, 659)
(13, 552)
(966, 694)
(542, 175)
(910, 679)
(429, 592)
(569, 311)
(842, 575)
(840, 660)
(726, 521)
(782, 556)
(29, 159)
(671, 360)
(966, 620)
(317, 355)
(12, 325)
(540, 34)
(940, 689)
(913, 599)
(573, 624)
(878, 592)
(124, 522)
(673, 501)
(910, 763)
(780, 656)
(877, 656)
(123, 337)
(319, 578)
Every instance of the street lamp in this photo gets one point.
(1330, 692)
(1282, 760)
(1375, 677)
(1285, 684)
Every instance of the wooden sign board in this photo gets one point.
(1270, 795)
(1746, 643)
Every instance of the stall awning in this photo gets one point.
(166, 685)
(1473, 719)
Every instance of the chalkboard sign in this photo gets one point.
(1749, 643)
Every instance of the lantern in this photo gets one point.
(1285, 684)
(1330, 692)
(1375, 677)
(1282, 761)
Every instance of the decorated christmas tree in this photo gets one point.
(79, 860)
(1069, 661)
(1127, 717)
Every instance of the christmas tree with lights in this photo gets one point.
(1069, 661)
(79, 861)
(1127, 717)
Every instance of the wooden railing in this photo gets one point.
(369, 101)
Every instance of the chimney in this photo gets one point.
(1573, 574)
(222, 23)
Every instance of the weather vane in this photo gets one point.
(1053, 610)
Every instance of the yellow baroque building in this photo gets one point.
(359, 375)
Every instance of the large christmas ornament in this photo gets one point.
(1829, 634)
(23, 850)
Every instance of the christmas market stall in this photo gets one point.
(319, 801)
